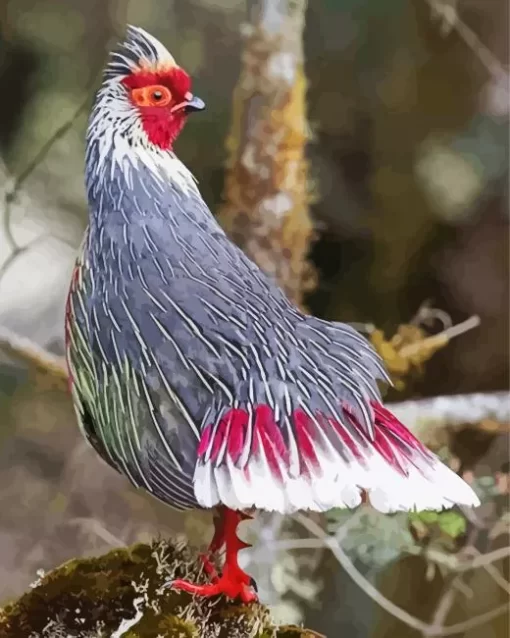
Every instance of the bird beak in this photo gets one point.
(194, 104)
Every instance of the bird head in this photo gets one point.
(145, 96)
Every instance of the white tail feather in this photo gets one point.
(428, 486)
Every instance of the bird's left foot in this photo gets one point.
(233, 581)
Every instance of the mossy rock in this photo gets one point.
(123, 595)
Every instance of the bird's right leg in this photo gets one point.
(217, 542)
(233, 582)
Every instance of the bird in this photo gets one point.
(191, 373)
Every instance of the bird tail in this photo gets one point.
(247, 458)
(401, 474)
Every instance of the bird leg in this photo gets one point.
(217, 542)
(233, 582)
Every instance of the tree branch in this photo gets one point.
(411, 347)
(365, 585)
(443, 608)
(446, 10)
(425, 417)
(370, 590)
(471, 623)
(26, 350)
(15, 185)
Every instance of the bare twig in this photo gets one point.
(96, 528)
(46, 147)
(14, 185)
(448, 13)
(476, 621)
(443, 609)
(456, 564)
(482, 560)
(450, 561)
(442, 338)
(425, 417)
(410, 348)
(426, 315)
(486, 562)
(366, 586)
(31, 353)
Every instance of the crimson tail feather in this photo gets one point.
(255, 457)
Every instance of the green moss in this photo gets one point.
(123, 594)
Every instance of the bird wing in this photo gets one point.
(297, 421)
(306, 430)
(125, 404)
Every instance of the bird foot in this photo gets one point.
(233, 583)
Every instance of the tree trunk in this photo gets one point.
(266, 192)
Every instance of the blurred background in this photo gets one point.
(405, 186)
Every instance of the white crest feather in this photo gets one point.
(115, 132)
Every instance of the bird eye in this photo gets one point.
(154, 95)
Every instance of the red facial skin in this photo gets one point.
(161, 125)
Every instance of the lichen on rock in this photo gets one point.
(125, 594)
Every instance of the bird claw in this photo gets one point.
(233, 581)
(226, 584)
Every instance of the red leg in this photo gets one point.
(233, 582)
(218, 540)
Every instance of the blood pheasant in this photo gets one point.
(191, 372)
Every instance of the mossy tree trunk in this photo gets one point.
(266, 192)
